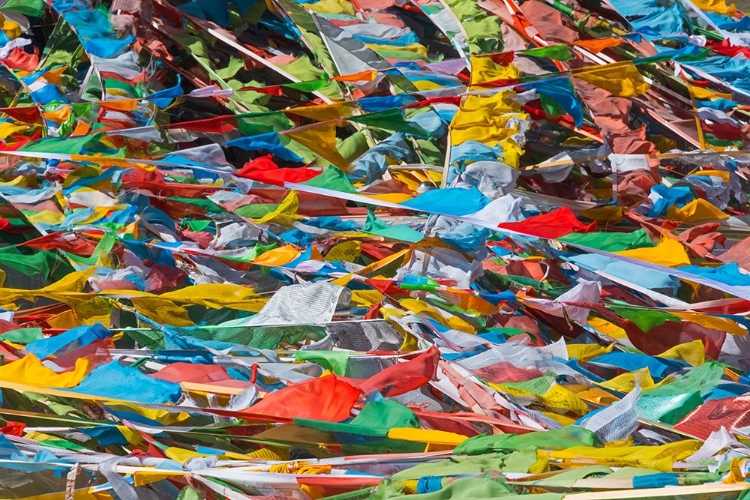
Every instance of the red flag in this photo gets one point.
(27, 114)
(263, 169)
(219, 124)
(402, 377)
(328, 398)
(20, 59)
(730, 413)
(554, 224)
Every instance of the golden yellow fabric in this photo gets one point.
(492, 120)
(55, 76)
(265, 454)
(469, 302)
(692, 353)
(346, 251)
(417, 48)
(285, 214)
(277, 256)
(423, 308)
(585, 352)
(426, 436)
(500, 128)
(562, 399)
(653, 457)
(11, 28)
(182, 455)
(484, 69)
(321, 140)
(626, 382)
(162, 311)
(65, 320)
(162, 416)
(597, 396)
(58, 116)
(560, 419)
(323, 112)
(606, 327)
(9, 128)
(698, 210)
(669, 253)
(214, 296)
(67, 290)
(365, 298)
(31, 371)
(217, 296)
(332, 7)
(701, 93)
(146, 477)
(557, 399)
(710, 321)
(719, 6)
(603, 214)
(300, 468)
(45, 217)
(94, 310)
(619, 79)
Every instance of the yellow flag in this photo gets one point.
(484, 69)
(719, 6)
(426, 436)
(182, 455)
(162, 311)
(607, 327)
(277, 256)
(285, 214)
(164, 417)
(58, 116)
(73, 282)
(701, 93)
(698, 210)
(323, 112)
(9, 128)
(217, 296)
(562, 399)
(11, 28)
(332, 7)
(651, 457)
(31, 371)
(626, 382)
(94, 310)
(321, 140)
(585, 352)
(597, 396)
(619, 79)
(693, 353)
(416, 48)
(423, 308)
(346, 251)
(710, 321)
(146, 477)
(669, 252)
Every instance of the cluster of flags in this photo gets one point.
(353, 249)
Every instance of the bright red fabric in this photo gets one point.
(328, 398)
(263, 169)
(402, 377)
(554, 224)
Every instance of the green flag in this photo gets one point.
(31, 8)
(557, 52)
(644, 318)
